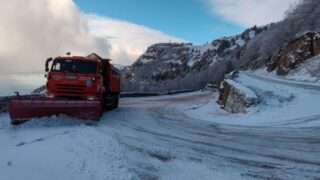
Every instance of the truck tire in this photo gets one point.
(103, 105)
(109, 101)
(116, 103)
(111, 106)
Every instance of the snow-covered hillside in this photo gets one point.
(173, 66)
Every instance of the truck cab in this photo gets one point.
(83, 78)
(77, 78)
(76, 86)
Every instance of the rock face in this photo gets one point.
(295, 53)
(180, 66)
(236, 98)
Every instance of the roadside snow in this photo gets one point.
(281, 105)
(309, 71)
(186, 171)
(58, 148)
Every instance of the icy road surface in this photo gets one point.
(182, 136)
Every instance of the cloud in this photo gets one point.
(33, 30)
(128, 41)
(248, 13)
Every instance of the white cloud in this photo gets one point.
(128, 41)
(248, 13)
(33, 30)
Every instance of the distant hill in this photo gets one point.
(177, 66)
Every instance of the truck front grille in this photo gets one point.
(70, 90)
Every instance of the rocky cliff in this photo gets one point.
(295, 53)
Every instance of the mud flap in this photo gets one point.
(23, 110)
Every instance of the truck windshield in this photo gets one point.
(74, 66)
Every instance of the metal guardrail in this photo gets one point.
(146, 94)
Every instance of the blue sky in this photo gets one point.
(191, 20)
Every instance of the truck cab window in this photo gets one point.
(74, 66)
(56, 67)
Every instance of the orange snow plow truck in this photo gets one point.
(76, 86)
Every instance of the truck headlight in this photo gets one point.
(91, 98)
(49, 95)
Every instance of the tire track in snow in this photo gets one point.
(153, 127)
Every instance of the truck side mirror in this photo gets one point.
(47, 64)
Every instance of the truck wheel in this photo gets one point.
(116, 103)
(111, 107)
(103, 102)
(110, 102)
(16, 122)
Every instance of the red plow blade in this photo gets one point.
(23, 110)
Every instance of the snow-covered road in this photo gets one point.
(182, 136)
